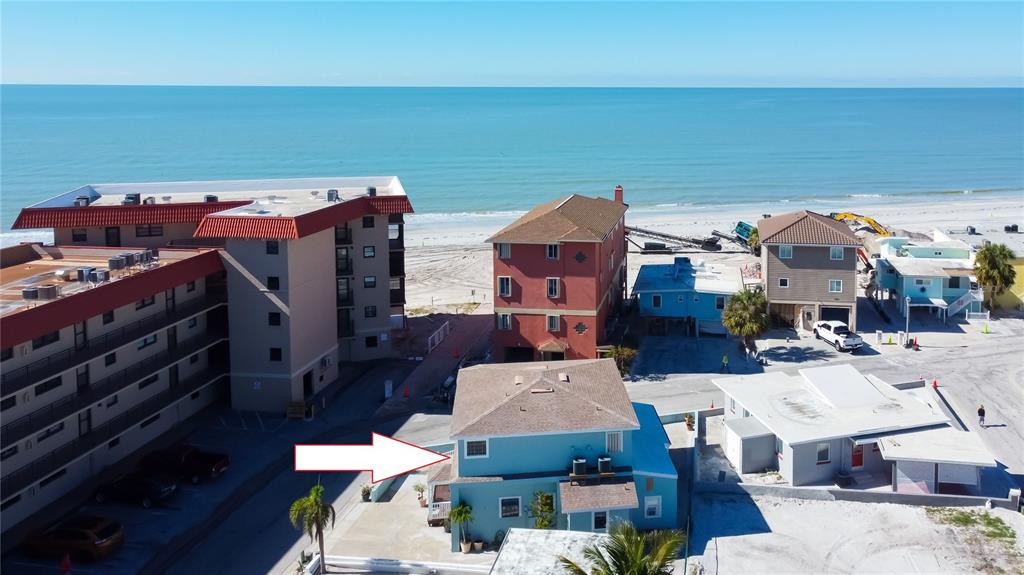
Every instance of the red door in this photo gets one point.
(857, 459)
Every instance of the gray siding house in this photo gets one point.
(810, 268)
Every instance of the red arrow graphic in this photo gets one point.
(384, 459)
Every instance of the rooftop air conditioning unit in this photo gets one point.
(563, 377)
(371, 191)
(83, 273)
(332, 195)
(64, 275)
(82, 201)
(518, 380)
(116, 263)
(48, 292)
(129, 260)
(604, 464)
(102, 275)
(579, 466)
(30, 293)
(132, 199)
(209, 198)
(150, 200)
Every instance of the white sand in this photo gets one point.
(446, 258)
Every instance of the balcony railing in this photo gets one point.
(438, 511)
(342, 236)
(396, 244)
(396, 264)
(398, 297)
(346, 328)
(40, 468)
(17, 379)
(85, 396)
(346, 300)
(343, 267)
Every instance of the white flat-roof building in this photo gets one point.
(829, 423)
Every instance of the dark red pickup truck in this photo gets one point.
(188, 462)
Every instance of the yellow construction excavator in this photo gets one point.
(857, 218)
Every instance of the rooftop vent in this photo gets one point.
(166, 199)
(314, 194)
(332, 195)
(371, 191)
(82, 201)
(542, 390)
(563, 377)
(210, 198)
(149, 200)
(271, 198)
(518, 380)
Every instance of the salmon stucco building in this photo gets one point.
(559, 274)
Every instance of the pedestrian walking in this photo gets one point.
(725, 364)
(981, 415)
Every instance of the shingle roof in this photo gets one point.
(572, 219)
(619, 493)
(489, 402)
(805, 228)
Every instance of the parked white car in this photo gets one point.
(838, 334)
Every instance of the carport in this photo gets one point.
(936, 460)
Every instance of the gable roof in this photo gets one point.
(489, 402)
(572, 219)
(805, 228)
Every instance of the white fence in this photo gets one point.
(375, 565)
(438, 336)
(985, 315)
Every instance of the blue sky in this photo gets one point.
(506, 44)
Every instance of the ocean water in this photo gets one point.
(494, 150)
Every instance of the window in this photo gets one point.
(273, 247)
(145, 302)
(108, 317)
(656, 301)
(613, 441)
(552, 251)
(149, 381)
(652, 506)
(509, 506)
(113, 443)
(48, 385)
(190, 286)
(51, 431)
(192, 322)
(476, 448)
(920, 282)
(9, 452)
(732, 405)
(370, 311)
(193, 359)
(553, 287)
(79, 235)
(149, 421)
(783, 282)
(146, 341)
(954, 282)
(112, 400)
(835, 253)
(719, 302)
(600, 520)
(504, 251)
(274, 318)
(369, 251)
(149, 231)
(552, 323)
(368, 221)
(778, 447)
(835, 286)
(504, 286)
(45, 340)
(504, 321)
(275, 354)
(823, 453)
(370, 342)
(785, 252)
(369, 281)
(8, 403)
(273, 283)
(53, 477)
(110, 359)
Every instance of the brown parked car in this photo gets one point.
(82, 536)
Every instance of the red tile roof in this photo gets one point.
(33, 322)
(290, 228)
(93, 216)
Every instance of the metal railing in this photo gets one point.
(343, 266)
(51, 462)
(398, 297)
(47, 367)
(439, 510)
(85, 396)
(342, 236)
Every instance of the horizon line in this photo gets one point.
(535, 87)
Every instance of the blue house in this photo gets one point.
(564, 431)
(937, 275)
(684, 293)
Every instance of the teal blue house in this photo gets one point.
(936, 275)
(564, 429)
(686, 293)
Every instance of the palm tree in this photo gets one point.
(626, 551)
(994, 270)
(746, 315)
(754, 241)
(462, 515)
(313, 513)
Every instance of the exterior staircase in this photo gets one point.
(963, 301)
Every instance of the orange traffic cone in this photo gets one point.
(935, 383)
(405, 391)
(712, 404)
(455, 354)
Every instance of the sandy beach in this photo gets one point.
(448, 263)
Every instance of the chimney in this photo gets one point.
(618, 195)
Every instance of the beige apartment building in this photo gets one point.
(809, 262)
(159, 299)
